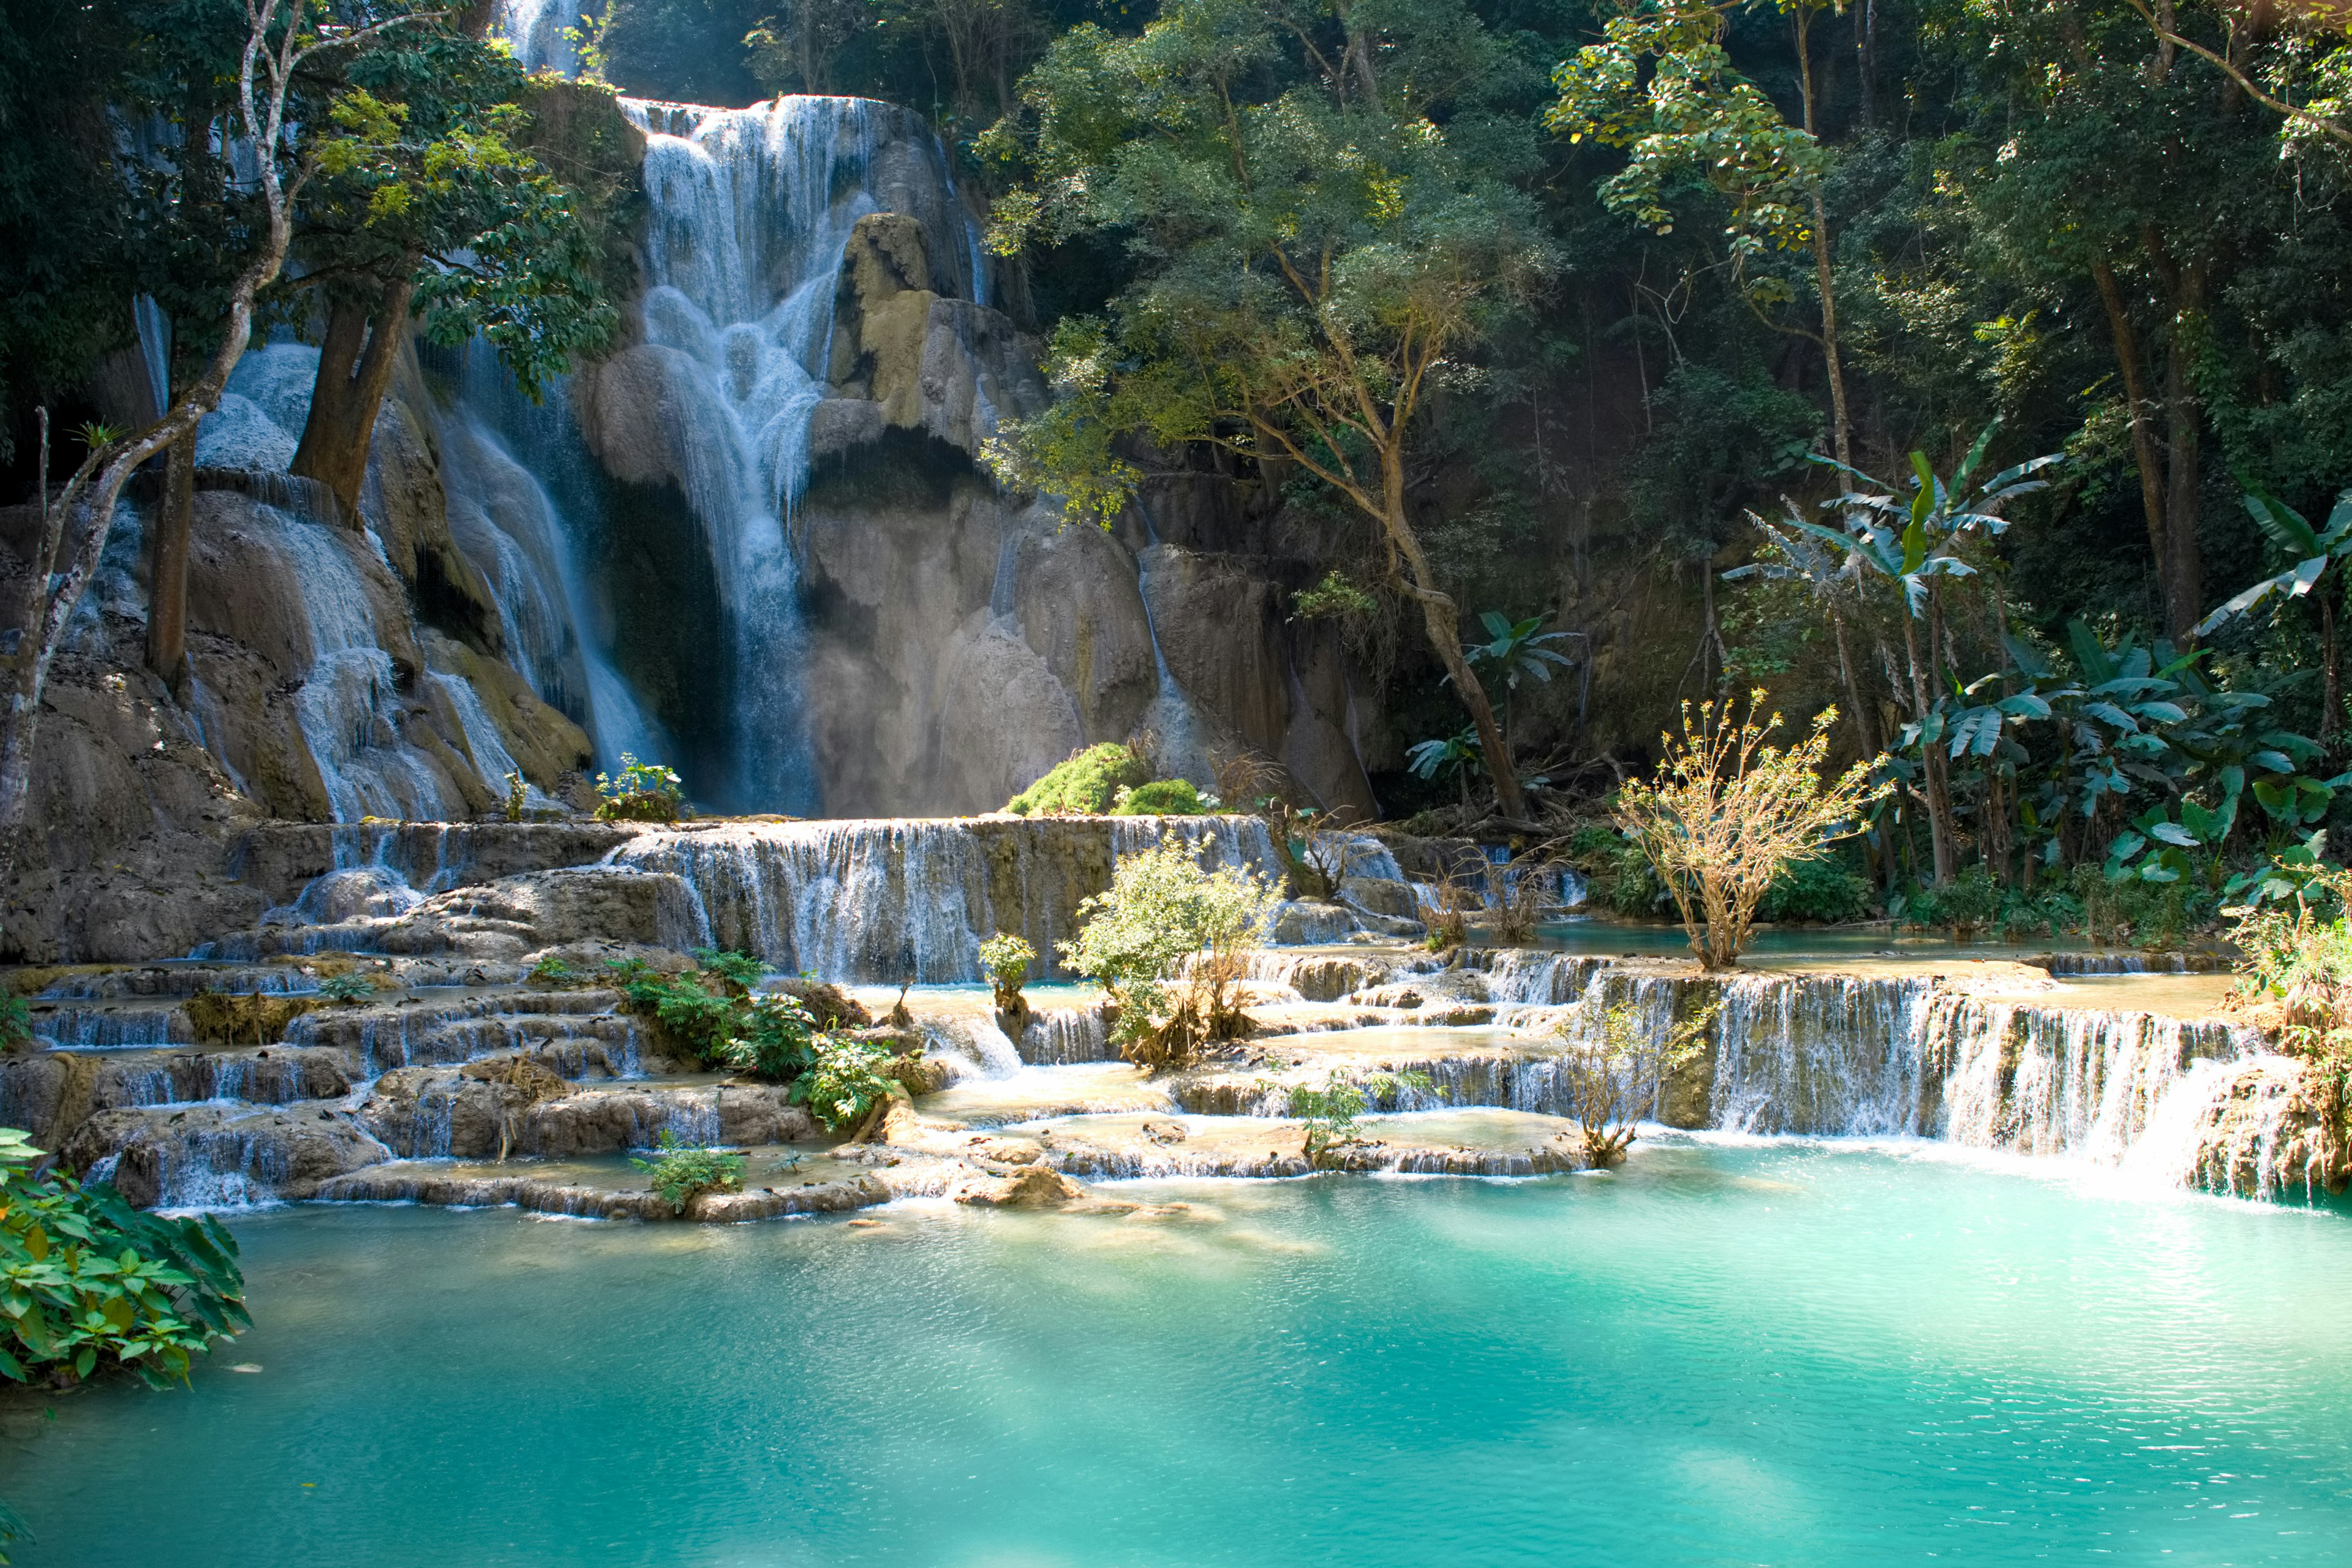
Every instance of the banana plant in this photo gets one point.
(2160, 847)
(1461, 753)
(2312, 552)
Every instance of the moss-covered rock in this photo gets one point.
(1086, 783)
(1161, 798)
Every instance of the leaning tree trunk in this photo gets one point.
(167, 567)
(355, 366)
(1444, 619)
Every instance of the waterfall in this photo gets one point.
(538, 31)
(879, 901)
(499, 454)
(753, 209)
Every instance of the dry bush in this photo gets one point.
(1727, 811)
(1617, 1075)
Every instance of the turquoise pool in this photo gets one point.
(1727, 1355)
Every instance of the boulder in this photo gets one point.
(214, 1153)
(1030, 1186)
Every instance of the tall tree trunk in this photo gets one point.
(1937, 790)
(167, 567)
(355, 366)
(1864, 728)
(2167, 490)
(1842, 425)
(2184, 587)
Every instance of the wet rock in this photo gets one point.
(213, 1154)
(1030, 1187)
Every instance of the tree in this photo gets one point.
(1913, 537)
(1697, 119)
(1163, 915)
(1313, 254)
(427, 203)
(1729, 811)
(1616, 1065)
(282, 41)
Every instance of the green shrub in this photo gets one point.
(1823, 888)
(1969, 902)
(770, 1036)
(646, 791)
(681, 1172)
(1617, 875)
(1086, 783)
(1005, 959)
(349, 990)
(1161, 798)
(554, 975)
(699, 1019)
(845, 1082)
(1162, 913)
(736, 973)
(1330, 1111)
(89, 1282)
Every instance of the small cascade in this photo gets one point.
(973, 1044)
(1064, 1037)
(543, 33)
(2037, 1080)
(882, 901)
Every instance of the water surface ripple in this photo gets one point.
(1728, 1354)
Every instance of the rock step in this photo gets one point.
(432, 1113)
(425, 1183)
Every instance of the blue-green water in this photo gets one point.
(1725, 1355)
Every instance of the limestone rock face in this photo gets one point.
(212, 1153)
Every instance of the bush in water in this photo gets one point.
(1727, 811)
(1162, 914)
(1005, 959)
(88, 1282)
(846, 1085)
(1330, 1111)
(770, 1036)
(646, 791)
(1614, 1075)
(682, 1171)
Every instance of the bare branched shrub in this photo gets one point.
(1515, 897)
(1727, 811)
(1616, 1075)
(1453, 903)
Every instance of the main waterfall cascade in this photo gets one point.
(752, 211)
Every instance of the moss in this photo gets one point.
(1086, 783)
(220, 1019)
(1161, 797)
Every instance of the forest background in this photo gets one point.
(1760, 240)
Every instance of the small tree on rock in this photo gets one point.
(1727, 812)
(1162, 919)
(1615, 1071)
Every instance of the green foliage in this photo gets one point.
(847, 1083)
(646, 791)
(88, 1282)
(1617, 875)
(348, 989)
(1161, 798)
(1821, 888)
(771, 1035)
(16, 1022)
(1163, 912)
(1517, 649)
(553, 973)
(736, 973)
(1968, 904)
(1331, 1110)
(1005, 959)
(1661, 85)
(698, 1017)
(1086, 783)
(682, 1171)
(1332, 597)
(518, 794)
